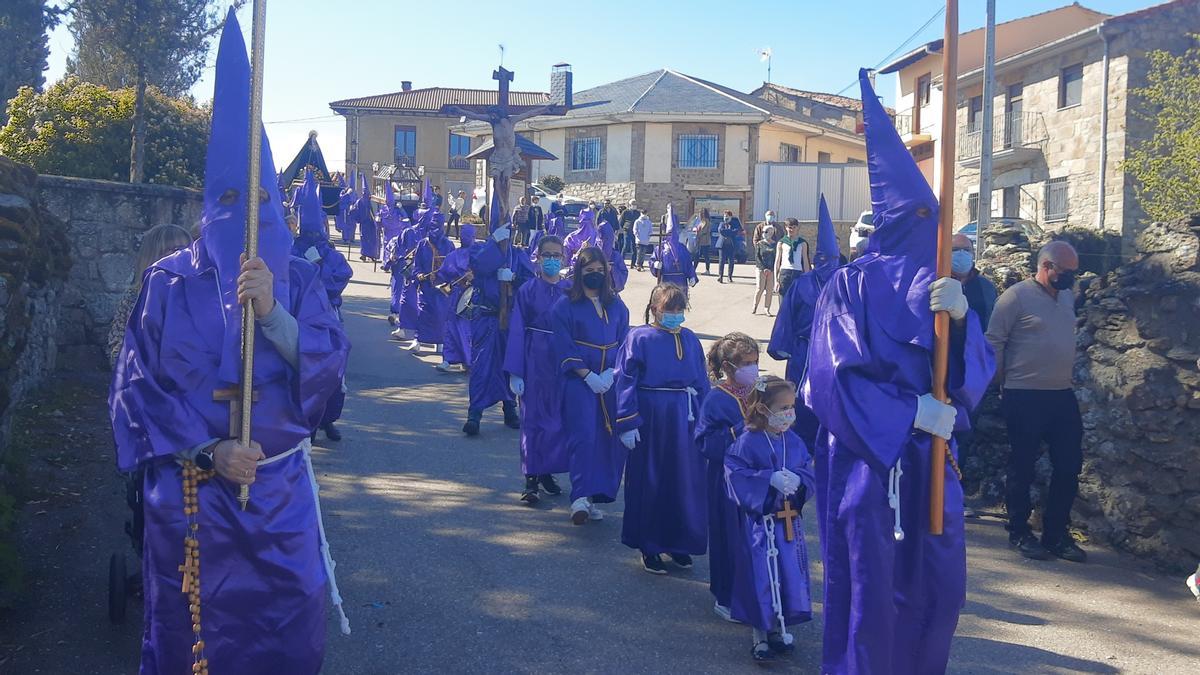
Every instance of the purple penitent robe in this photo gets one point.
(432, 305)
(722, 418)
(660, 383)
(749, 464)
(457, 346)
(262, 579)
(529, 355)
(488, 383)
(587, 338)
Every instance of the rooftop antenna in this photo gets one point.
(764, 54)
(501, 46)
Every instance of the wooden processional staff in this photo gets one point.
(257, 40)
(941, 320)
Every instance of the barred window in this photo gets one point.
(973, 207)
(585, 154)
(1056, 199)
(789, 153)
(697, 151)
(460, 147)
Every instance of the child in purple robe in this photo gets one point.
(456, 271)
(769, 476)
(661, 380)
(733, 364)
(590, 323)
(533, 373)
(432, 304)
(671, 262)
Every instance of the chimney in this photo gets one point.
(561, 88)
(406, 85)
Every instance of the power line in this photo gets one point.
(940, 11)
(304, 119)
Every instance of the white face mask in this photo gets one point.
(962, 262)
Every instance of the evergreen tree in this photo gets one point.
(24, 25)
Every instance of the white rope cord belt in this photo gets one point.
(326, 557)
(692, 393)
(773, 577)
(894, 499)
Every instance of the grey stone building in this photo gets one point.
(1066, 116)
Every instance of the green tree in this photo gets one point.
(1166, 167)
(23, 50)
(77, 128)
(160, 43)
(552, 182)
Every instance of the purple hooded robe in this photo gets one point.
(457, 346)
(671, 261)
(584, 338)
(793, 325)
(360, 213)
(432, 304)
(529, 355)
(749, 464)
(722, 418)
(262, 578)
(345, 198)
(661, 380)
(890, 606)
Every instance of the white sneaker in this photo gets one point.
(413, 346)
(594, 512)
(723, 612)
(580, 510)
(1194, 584)
(398, 334)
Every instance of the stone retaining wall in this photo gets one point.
(105, 222)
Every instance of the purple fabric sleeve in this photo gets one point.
(631, 366)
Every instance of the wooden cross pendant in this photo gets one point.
(786, 515)
(233, 396)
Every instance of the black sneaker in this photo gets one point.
(549, 485)
(511, 419)
(681, 559)
(778, 645)
(471, 428)
(761, 652)
(653, 564)
(1029, 546)
(530, 495)
(331, 432)
(1067, 549)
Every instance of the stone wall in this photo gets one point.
(33, 266)
(619, 193)
(1137, 376)
(104, 224)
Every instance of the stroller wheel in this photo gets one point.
(117, 588)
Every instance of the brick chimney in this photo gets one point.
(406, 85)
(561, 87)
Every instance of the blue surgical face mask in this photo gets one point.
(551, 266)
(961, 262)
(671, 320)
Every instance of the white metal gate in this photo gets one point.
(793, 190)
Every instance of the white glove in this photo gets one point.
(935, 417)
(504, 274)
(656, 265)
(501, 233)
(607, 377)
(785, 482)
(517, 384)
(946, 295)
(596, 383)
(630, 438)
(312, 255)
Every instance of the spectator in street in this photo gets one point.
(981, 293)
(437, 198)
(536, 219)
(702, 231)
(768, 221)
(158, 242)
(728, 233)
(608, 214)
(1032, 331)
(453, 219)
(625, 239)
(643, 229)
(764, 261)
(791, 258)
(520, 220)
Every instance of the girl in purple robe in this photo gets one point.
(590, 323)
(533, 373)
(671, 263)
(768, 477)
(733, 363)
(661, 380)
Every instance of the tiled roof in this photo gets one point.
(821, 97)
(431, 99)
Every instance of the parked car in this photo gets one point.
(571, 209)
(542, 192)
(1029, 228)
(862, 230)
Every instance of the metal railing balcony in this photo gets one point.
(1011, 131)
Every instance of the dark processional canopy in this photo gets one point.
(311, 157)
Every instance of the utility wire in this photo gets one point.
(940, 11)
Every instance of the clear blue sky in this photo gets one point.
(319, 52)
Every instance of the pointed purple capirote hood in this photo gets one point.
(827, 242)
(389, 195)
(225, 185)
(901, 255)
(312, 216)
(427, 195)
(496, 216)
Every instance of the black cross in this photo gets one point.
(503, 76)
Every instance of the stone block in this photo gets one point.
(15, 208)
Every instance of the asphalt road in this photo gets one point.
(443, 571)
